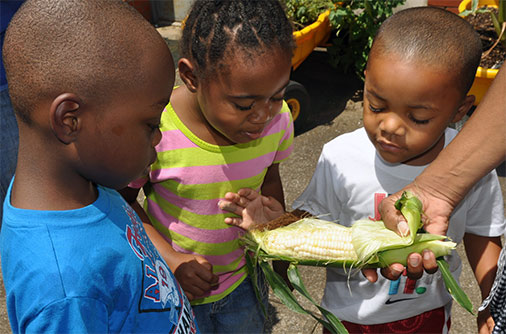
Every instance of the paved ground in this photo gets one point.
(333, 113)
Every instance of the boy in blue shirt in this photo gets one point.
(88, 81)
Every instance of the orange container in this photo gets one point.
(484, 76)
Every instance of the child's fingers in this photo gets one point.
(393, 271)
(189, 295)
(230, 207)
(233, 221)
(207, 273)
(272, 203)
(370, 274)
(429, 261)
(232, 197)
(248, 193)
(415, 266)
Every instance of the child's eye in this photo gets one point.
(375, 110)
(418, 121)
(244, 108)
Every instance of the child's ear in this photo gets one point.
(464, 108)
(63, 117)
(186, 72)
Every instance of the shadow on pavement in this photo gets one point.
(329, 89)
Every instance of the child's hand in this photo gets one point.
(485, 322)
(253, 208)
(194, 273)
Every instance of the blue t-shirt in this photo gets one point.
(91, 269)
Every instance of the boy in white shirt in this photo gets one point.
(420, 68)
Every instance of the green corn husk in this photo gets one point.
(374, 246)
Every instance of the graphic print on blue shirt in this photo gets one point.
(161, 293)
(409, 284)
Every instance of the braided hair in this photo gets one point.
(251, 26)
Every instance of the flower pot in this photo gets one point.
(484, 76)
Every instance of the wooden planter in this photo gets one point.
(484, 76)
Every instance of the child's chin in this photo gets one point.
(391, 159)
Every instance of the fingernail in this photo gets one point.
(426, 255)
(395, 271)
(414, 261)
(403, 228)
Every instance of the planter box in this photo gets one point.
(484, 76)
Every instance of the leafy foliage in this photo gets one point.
(304, 12)
(356, 23)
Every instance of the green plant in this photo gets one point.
(356, 23)
(498, 20)
(304, 12)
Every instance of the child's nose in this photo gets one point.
(263, 114)
(392, 124)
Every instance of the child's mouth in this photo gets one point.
(389, 147)
(253, 135)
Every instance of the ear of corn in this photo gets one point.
(367, 243)
(312, 241)
(308, 241)
(319, 242)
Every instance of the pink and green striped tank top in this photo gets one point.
(188, 179)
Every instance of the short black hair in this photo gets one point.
(435, 37)
(89, 47)
(251, 26)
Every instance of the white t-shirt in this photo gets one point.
(349, 182)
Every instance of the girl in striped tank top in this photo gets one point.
(225, 129)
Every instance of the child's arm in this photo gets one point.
(483, 254)
(193, 272)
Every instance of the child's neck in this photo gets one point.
(43, 181)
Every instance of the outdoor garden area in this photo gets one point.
(325, 95)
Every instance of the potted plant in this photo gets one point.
(484, 75)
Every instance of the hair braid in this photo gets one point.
(214, 26)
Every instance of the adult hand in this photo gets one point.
(252, 208)
(436, 214)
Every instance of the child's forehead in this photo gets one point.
(413, 62)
